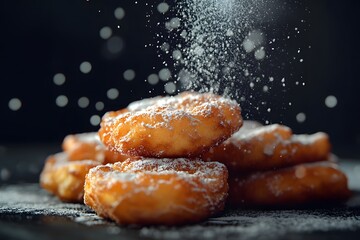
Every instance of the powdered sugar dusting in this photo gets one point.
(256, 131)
(307, 139)
(29, 200)
(91, 137)
(187, 105)
(181, 166)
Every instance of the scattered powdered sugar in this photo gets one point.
(233, 48)
(91, 137)
(257, 131)
(211, 49)
(143, 104)
(30, 200)
(156, 113)
(308, 139)
(62, 159)
(270, 224)
(254, 131)
(114, 176)
(179, 166)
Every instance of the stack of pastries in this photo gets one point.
(179, 160)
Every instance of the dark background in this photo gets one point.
(42, 38)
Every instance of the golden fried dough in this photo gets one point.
(88, 146)
(65, 178)
(289, 187)
(258, 148)
(182, 126)
(146, 191)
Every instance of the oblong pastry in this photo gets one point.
(65, 178)
(157, 191)
(289, 187)
(182, 126)
(257, 148)
(88, 146)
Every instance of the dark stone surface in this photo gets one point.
(28, 212)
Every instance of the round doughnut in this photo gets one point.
(182, 126)
(157, 191)
(257, 148)
(88, 146)
(289, 187)
(65, 178)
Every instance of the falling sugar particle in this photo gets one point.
(129, 75)
(164, 74)
(163, 7)
(301, 60)
(174, 23)
(99, 106)
(301, 117)
(95, 120)
(85, 67)
(105, 32)
(265, 88)
(15, 104)
(59, 79)
(331, 101)
(61, 101)
(115, 45)
(248, 45)
(153, 79)
(83, 102)
(253, 41)
(112, 93)
(170, 87)
(165, 47)
(259, 54)
(119, 13)
(229, 33)
(176, 55)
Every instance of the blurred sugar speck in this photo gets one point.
(85, 67)
(15, 104)
(331, 101)
(112, 93)
(170, 87)
(301, 117)
(163, 7)
(153, 79)
(105, 32)
(119, 13)
(95, 120)
(61, 101)
(129, 75)
(59, 79)
(83, 102)
(99, 106)
(164, 74)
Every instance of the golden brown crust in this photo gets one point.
(289, 187)
(85, 146)
(182, 126)
(157, 191)
(259, 148)
(65, 178)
